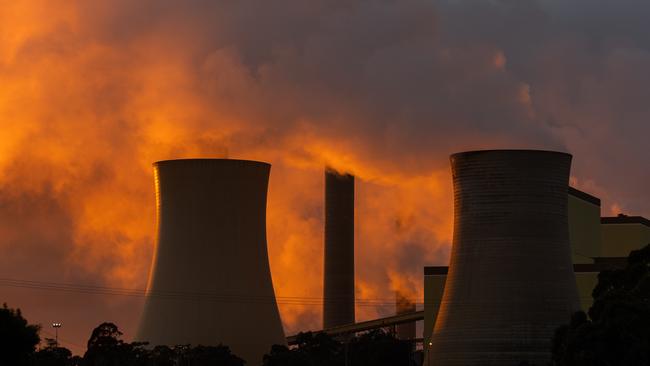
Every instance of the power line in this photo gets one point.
(63, 340)
(195, 296)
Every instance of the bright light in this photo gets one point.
(56, 325)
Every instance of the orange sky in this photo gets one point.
(91, 93)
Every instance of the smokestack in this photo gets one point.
(510, 281)
(338, 289)
(404, 305)
(210, 280)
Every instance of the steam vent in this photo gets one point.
(210, 281)
(338, 287)
(510, 281)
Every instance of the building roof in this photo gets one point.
(619, 262)
(435, 270)
(624, 219)
(610, 264)
(584, 196)
(601, 264)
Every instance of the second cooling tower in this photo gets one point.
(210, 281)
(338, 286)
(510, 281)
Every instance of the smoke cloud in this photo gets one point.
(93, 92)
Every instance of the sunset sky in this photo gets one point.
(92, 92)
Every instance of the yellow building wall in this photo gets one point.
(620, 239)
(589, 239)
(584, 230)
(586, 282)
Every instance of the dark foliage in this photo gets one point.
(207, 356)
(617, 330)
(375, 348)
(317, 349)
(53, 355)
(105, 348)
(163, 356)
(18, 339)
(379, 348)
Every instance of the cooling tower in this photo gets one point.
(511, 281)
(338, 287)
(210, 281)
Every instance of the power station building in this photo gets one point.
(596, 243)
(210, 281)
(526, 253)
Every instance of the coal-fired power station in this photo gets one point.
(338, 282)
(210, 280)
(510, 282)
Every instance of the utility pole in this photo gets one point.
(56, 327)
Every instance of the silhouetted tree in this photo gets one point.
(311, 349)
(320, 348)
(53, 355)
(379, 348)
(163, 356)
(375, 348)
(617, 331)
(208, 356)
(105, 348)
(18, 339)
(105, 336)
(282, 356)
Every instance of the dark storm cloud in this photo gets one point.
(392, 74)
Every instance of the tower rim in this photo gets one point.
(210, 160)
(476, 152)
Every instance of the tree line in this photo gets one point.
(616, 329)
(614, 332)
(19, 346)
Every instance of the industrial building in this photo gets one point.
(210, 281)
(527, 252)
(597, 243)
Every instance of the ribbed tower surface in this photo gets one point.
(510, 281)
(210, 280)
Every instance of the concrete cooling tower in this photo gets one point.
(510, 281)
(338, 286)
(210, 281)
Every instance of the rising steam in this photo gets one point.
(92, 92)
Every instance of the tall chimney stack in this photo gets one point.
(338, 286)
